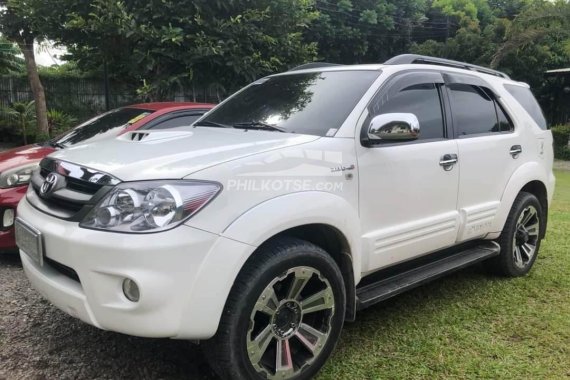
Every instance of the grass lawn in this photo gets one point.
(471, 325)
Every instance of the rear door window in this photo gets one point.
(473, 110)
(476, 111)
(505, 123)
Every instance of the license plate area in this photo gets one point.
(30, 241)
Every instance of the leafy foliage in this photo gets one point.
(168, 43)
(20, 24)
(60, 122)
(357, 31)
(10, 61)
(21, 116)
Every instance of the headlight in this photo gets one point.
(150, 206)
(17, 176)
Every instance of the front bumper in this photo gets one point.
(9, 199)
(184, 276)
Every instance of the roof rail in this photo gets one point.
(313, 65)
(424, 59)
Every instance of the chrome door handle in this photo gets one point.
(447, 161)
(515, 150)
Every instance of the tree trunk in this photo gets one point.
(27, 48)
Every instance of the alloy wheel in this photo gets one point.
(526, 236)
(290, 323)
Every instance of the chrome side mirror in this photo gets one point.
(394, 127)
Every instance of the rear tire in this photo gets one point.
(520, 239)
(283, 316)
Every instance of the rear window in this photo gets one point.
(105, 125)
(524, 96)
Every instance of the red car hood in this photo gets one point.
(23, 155)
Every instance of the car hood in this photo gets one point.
(174, 153)
(23, 155)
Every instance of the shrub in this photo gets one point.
(561, 135)
(59, 122)
(20, 116)
(562, 153)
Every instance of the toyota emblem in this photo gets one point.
(49, 184)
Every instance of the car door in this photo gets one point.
(490, 150)
(408, 190)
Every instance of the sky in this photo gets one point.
(47, 54)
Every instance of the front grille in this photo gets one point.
(63, 204)
(74, 191)
(82, 186)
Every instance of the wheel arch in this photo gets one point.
(323, 219)
(538, 189)
(530, 178)
(332, 241)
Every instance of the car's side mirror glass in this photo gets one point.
(394, 127)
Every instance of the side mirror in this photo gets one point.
(394, 127)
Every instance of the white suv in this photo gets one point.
(304, 197)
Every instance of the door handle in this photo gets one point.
(515, 151)
(447, 161)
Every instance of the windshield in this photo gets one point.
(105, 125)
(314, 103)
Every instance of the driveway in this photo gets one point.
(38, 341)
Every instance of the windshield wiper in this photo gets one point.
(55, 144)
(258, 125)
(208, 123)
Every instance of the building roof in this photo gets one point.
(559, 72)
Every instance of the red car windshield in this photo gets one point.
(105, 125)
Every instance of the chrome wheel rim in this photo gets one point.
(290, 323)
(526, 237)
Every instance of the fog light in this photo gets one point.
(8, 218)
(131, 290)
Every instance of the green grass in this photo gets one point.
(471, 325)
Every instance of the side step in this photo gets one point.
(398, 283)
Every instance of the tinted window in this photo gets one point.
(180, 121)
(422, 100)
(505, 124)
(524, 96)
(106, 125)
(473, 110)
(314, 103)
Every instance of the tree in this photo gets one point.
(16, 24)
(9, 60)
(165, 44)
(358, 31)
(538, 23)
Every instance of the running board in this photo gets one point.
(398, 283)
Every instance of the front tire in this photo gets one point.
(283, 316)
(520, 239)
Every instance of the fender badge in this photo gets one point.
(342, 168)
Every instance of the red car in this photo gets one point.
(16, 165)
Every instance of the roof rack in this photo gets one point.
(313, 65)
(423, 59)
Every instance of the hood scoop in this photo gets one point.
(149, 136)
(138, 136)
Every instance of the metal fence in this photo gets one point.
(84, 97)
